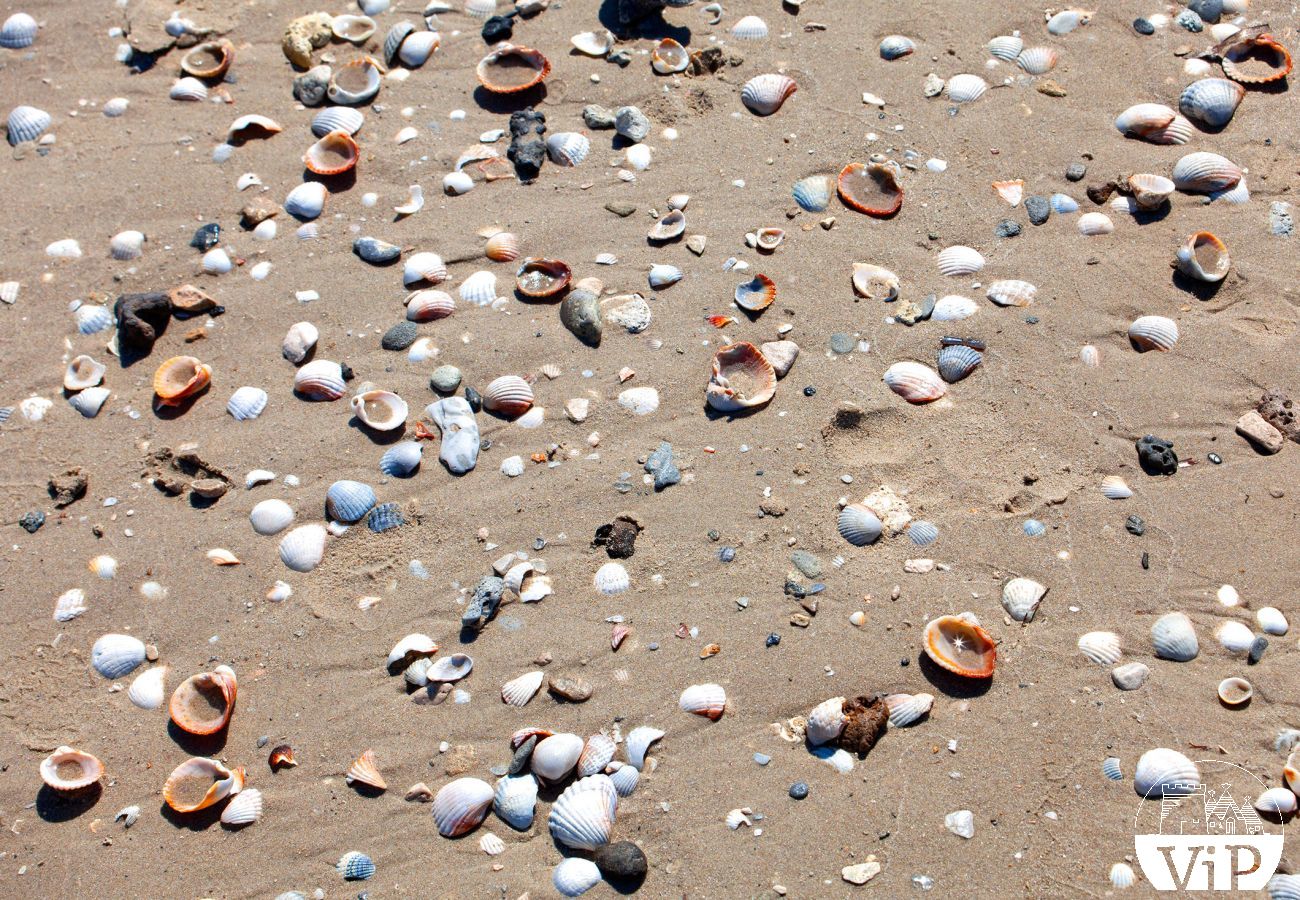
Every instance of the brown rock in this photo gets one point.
(69, 487)
(189, 299)
(259, 209)
(1263, 436)
(1100, 193)
(569, 687)
(1051, 89)
(866, 721)
(1277, 410)
(460, 759)
(419, 793)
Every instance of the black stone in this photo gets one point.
(207, 237)
(1209, 10)
(1100, 193)
(528, 157)
(809, 391)
(498, 28)
(773, 639)
(1257, 649)
(348, 374)
(1146, 560)
(525, 121)
(621, 862)
(32, 521)
(520, 760)
(1076, 171)
(142, 317)
(1007, 229)
(1135, 526)
(474, 399)
(1142, 26)
(618, 538)
(400, 336)
(1038, 209)
(1157, 456)
(375, 251)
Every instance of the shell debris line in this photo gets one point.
(587, 438)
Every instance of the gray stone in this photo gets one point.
(483, 605)
(1157, 456)
(911, 311)
(460, 434)
(1007, 228)
(445, 379)
(1130, 677)
(842, 342)
(400, 336)
(1189, 20)
(660, 464)
(1038, 209)
(622, 210)
(1280, 220)
(580, 313)
(632, 124)
(1076, 171)
(309, 88)
(597, 117)
(1209, 10)
(375, 251)
(622, 861)
(806, 563)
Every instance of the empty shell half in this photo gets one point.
(67, 770)
(707, 700)
(1203, 257)
(510, 68)
(742, 378)
(870, 188)
(333, 154)
(914, 382)
(203, 703)
(960, 645)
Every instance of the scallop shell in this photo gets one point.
(526, 68)
(380, 410)
(757, 294)
(217, 261)
(597, 753)
(426, 266)
(246, 403)
(320, 379)
(26, 123)
(1204, 173)
(126, 245)
(1012, 293)
(669, 57)
(875, 282)
(354, 866)
(518, 691)
(1005, 47)
(18, 31)
(953, 308)
(216, 780)
(202, 704)
(1115, 488)
(742, 378)
(583, 816)
(555, 756)
(859, 525)
(245, 809)
(707, 700)
(966, 88)
(1154, 122)
(188, 90)
(871, 188)
(355, 83)
(764, 94)
(914, 382)
(1038, 60)
(1271, 620)
(1163, 772)
(922, 533)
(514, 800)
(1122, 876)
(208, 60)
(349, 501)
(1174, 638)
(908, 709)
(402, 459)
(508, 395)
(1153, 333)
(1095, 223)
(574, 876)
(1211, 101)
(959, 260)
(1021, 598)
(749, 28)
(502, 247)
(91, 770)
(567, 148)
(479, 288)
(1278, 801)
(542, 278)
(365, 770)
(1256, 60)
(960, 645)
(1203, 257)
(638, 743)
(306, 201)
(1234, 636)
(813, 194)
(957, 362)
(826, 721)
(303, 548)
(624, 777)
(333, 154)
(116, 655)
(271, 517)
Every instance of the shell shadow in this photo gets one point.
(505, 104)
(197, 744)
(53, 806)
(951, 684)
(653, 25)
(714, 415)
(380, 438)
(1280, 86)
(1202, 290)
(335, 184)
(170, 411)
(1147, 216)
(366, 790)
(201, 820)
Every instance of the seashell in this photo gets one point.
(18, 31)
(1011, 191)
(1122, 876)
(354, 866)
(638, 156)
(1038, 60)
(957, 362)
(826, 721)
(611, 579)
(245, 809)
(960, 645)
(1174, 638)
(337, 118)
(1235, 691)
(1211, 101)
(813, 194)
(480, 9)
(515, 799)
(508, 395)
(67, 770)
(555, 756)
(1154, 122)
(749, 28)
(502, 247)
(333, 154)
(320, 379)
(1271, 620)
(1110, 767)
(306, 201)
(199, 782)
(959, 260)
(217, 261)
(768, 239)
(188, 89)
(246, 403)
(1237, 194)
(875, 282)
(527, 583)
(401, 460)
(90, 401)
(410, 648)
(638, 742)
(662, 276)
(355, 29)
(208, 60)
(568, 148)
(70, 604)
(116, 655)
(542, 278)
(922, 533)
(908, 709)
(302, 548)
(1204, 173)
(27, 123)
(509, 69)
(1067, 20)
(1095, 223)
(222, 557)
(1149, 191)
(1203, 257)
(1153, 333)
(491, 844)
(593, 43)
(765, 94)
(914, 382)
(1063, 204)
(1012, 293)
(1102, 647)
(596, 754)
(583, 816)
(669, 227)
(126, 245)
(1235, 637)
(202, 704)
(103, 566)
(9, 291)
(418, 48)
(574, 876)
(1021, 598)
(707, 700)
(451, 668)
(624, 777)
(518, 691)
(1164, 773)
(355, 83)
(756, 294)
(349, 501)
(953, 308)
(414, 202)
(966, 88)
(1256, 60)
(271, 517)
(896, 46)
(366, 771)
(742, 378)
(1115, 488)
(426, 266)
(479, 288)
(1278, 801)
(83, 372)
(669, 57)
(380, 410)
(308, 232)
(1034, 528)
(872, 189)
(839, 759)
(859, 525)
(253, 126)
(1005, 47)
(398, 33)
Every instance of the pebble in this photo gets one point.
(622, 861)
(1189, 20)
(773, 639)
(961, 823)
(1257, 648)
(445, 379)
(806, 563)
(570, 687)
(809, 391)
(762, 759)
(31, 522)
(375, 251)
(1262, 436)
(1007, 229)
(598, 117)
(400, 336)
(1156, 455)
(660, 464)
(1280, 221)
(1215, 458)
(1142, 26)
(1209, 11)
(798, 790)
(842, 342)
(632, 124)
(1135, 526)
(1131, 676)
(620, 209)
(1038, 209)
(862, 872)
(1076, 171)
(206, 237)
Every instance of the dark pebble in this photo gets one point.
(1216, 459)
(1146, 560)
(773, 639)
(809, 391)
(498, 28)
(904, 662)
(1257, 649)
(348, 374)
(727, 554)
(32, 521)
(1142, 26)
(1100, 193)
(1038, 209)
(1007, 229)
(714, 534)
(520, 760)
(622, 861)
(1031, 320)
(207, 237)
(142, 317)
(1076, 171)
(618, 538)
(798, 790)
(474, 399)
(400, 336)
(1135, 526)
(527, 120)
(528, 157)
(375, 251)
(1156, 455)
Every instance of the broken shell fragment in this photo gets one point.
(742, 378)
(757, 294)
(199, 783)
(366, 771)
(875, 282)
(208, 60)
(380, 410)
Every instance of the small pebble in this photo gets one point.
(798, 790)
(773, 639)
(1076, 171)
(1142, 26)
(809, 391)
(1038, 209)
(1007, 229)
(842, 342)
(1135, 526)
(762, 759)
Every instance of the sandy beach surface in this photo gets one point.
(1030, 434)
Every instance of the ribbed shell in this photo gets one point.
(1150, 191)
(505, 79)
(922, 533)
(18, 31)
(337, 118)
(1102, 647)
(192, 705)
(1095, 223)
(953, 308)
(188, 90)
(1257, 60)
(1021, 597)
(1204, 173)
(244, 809)
(302, 548)
(385, 517)
(26, 123)
(764, 94)
(518, 691)
(663, 275)
(813, 194)
(567, 148)
(556, 756)
(479, 288)
(959, 260)
(597, 753)
(1012, 293)
(126, 245)
(1122, 876)
(148, 690)
(1110, 767)
(90, 401)
(749, 28)
(1063, 204)
(91, 769)
(1113, 487)
(71, 603)
(1154, 122)
(503, 247)
(1174, 638)
(271, 517)
(1033, 528)
(115, 655)
(966, 88)
(416, 50)
(826, 721)
(246, 403)
(625, 778)
(320, 379)
(1234, 636)
(402, 459)
(1278, 801)
(707, 700)
(1153, 333)
(870, 188)
(349, 501)
(1211, 101)
(958, 361)
(508, 395)
(742, 378)
(908, 709)
(859, 525)
(583, 816)
(306, 201)
(365, 770)
(355, 866)
(896, 46)
(1038, 60)
(1162, 772)
(515, 799)
(460, 805)
(914, 382)
(1005, 47)
(424, 266)
(574, 876)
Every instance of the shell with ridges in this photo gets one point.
(365, 770)
(1012, 293)
(1038, 60)
(597, 753)
(574, 876)
(583, 816)
(303, 548)
(115, 655)
(508, 395)
(813, 194)
(18, 31)
(246, 403)
(1021, 598)
(349, 501)
(202, 704)
(1163, 772)
(826, 721)
(966, 88)
(402, 459)
(908, 709)
(953, 308)
(960, 645)
(1211, 100)
(742, 378)
(1203, 257)
(518, 691)
(1174, 638)
(509, 79)
(188, 90)
(460, 805)
(91, 770)
(859, 525)
(1153, 333)
(27, 123)
(957, 362)
(765, 94)
(320, 379)
(1205, 173)
(707, 700)
(914, 382)
(625, 778)
(1095, 223)
(1005, 47)
(1113, 487)
(567, 148)
(245, 809)
(502, 247)
(959, 260)
(515, 799)
(1154, 122)
(333, 154)
(425, 266)
(355, 866)
(749, 28)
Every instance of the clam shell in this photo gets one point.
(299, 341)
(1204, 173)
(915, 382)
(1005, 47)
(662, 276)
(1271, 620)
(245, 809)
(349, 501)
(896, 46)
(1122, 876)
(246, 403)
(859, 525)
(356, 29)
(597, 753)
(27, 123)
(320, 379)
(1211, 101)
(210, 59)
(1234, 636)
(593, 43)
(624, 777)
(1063, 204)
(1115, 488)
(567, 148)
(333, 154)
(542, 278)
(410, 648)
(115, 655)
(757, 294)
(148, 690)
(1256, 60)
(380, 410)
(966, 88)
(749, 28)
(764, 94)
(509, 69)
(365, 770)
(1163, 772)
(202, 704)
(555, 756)
(574, 876)
(126, 245)
(217, 261)
(306, 201)
(479, 288)
(957, 362)
(303, 548)
(922, 533)
(515, 799)
(401, 460)
(426, 266)
(959, 260)
(1174, 638)
(518, 691)
(416, 50)
(1021, 598)
(640, 401)
(960, 645)
(826, 721)
(91, 769)
(908, 709)
(90, 401)
(398, 33)
(527, 583)
(875, 282)
(1095, 223)
(1038, 60)
(1235, 691)
(638, 743)
(1153, 333)
(707, 700)
(188, 90)
(583, 816)
(669, 57)
(669, 227)
(1154, 122)
(271, 517)
(742, 378)
(1033, 528)
(502, 247)
(954, 308)
(1278, 801)
(451, 668)
(1067, 20)
(354, 866)
(1150, 191)
(355, 83)
(1203, 257)
(813, 194)
(1012, 293)
(871, 188)
(18, 31)
(508, 395)
(212, 777)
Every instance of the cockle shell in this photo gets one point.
(1021, 598)
(83, 372)
(669, 57)
(1257, 59)
(742, 378)
(147, 690)
(355, 29)
(556, 756)
(765, 94)
(245, 809)
(356, 82)
(583, 816)
(612, 578)
(568, 148)
(402, 459)
(749, 28)
(71, 603)
(320, 379)
(826, 721)
(18, 31)
(115, 655)
(380, 410)
(957, 362)
(216, 261)
(460, 805)
(574, 876)
(1067, 20)
(425, 266)
(542, 279)
(1113, 487)
(1278, 801)
(518, 691)
(429, 305)
(189, 90)
(126, 245)
(1153, 333)
(1154, 122)
(966, 88)
(1235, 691)
(625, 778)
(707, 700)
(954, 308)
(875, 282)
(1005, 47)
(89, 401)
(199, 774)
(638, 743)
(914, 382)
(1203, 257)
(333, 154)
(669, 227)
(509, 69)
(593, 43)
(68, 770)
(959, 260)
(1012, 293)
(349, 501)
(908, 709)
(596, 755)
(209, 60)
(246, 403)
(1205, 173)
(663, 275)
(757, 294)
(960, 645)
(870, 188)
(303, 548)
(354, 866)
(502, 247)
(1095, 223)
(508, 395)
(271, 517)
(410, 648)
(813, 194)
(365, 770)
(202, 704)
(859, 525)
(1150, 191)
(480, 288)
(179, 378)
(418, 47)
(1038, 60)
(515, 799)
(1163, 773)
(1211, 101)
(895, 46)
(1174, 638)
(306, 201)
(27, 123)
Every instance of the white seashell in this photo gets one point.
(1021, 597)
(1204, 173)
(258, 476)
(1271, 620)
(423, 266)
(1235, 637)
(271, 516)
(662, 276)
(556, 756)
(574, 876)
(914, 382)
(1115, 488)
(749, 28)
(337, 118)
(115, 655)
(479, 288)
(953, 308)
(1154, 122)
(1067, 20)
(299, 341)
(414, 202)
(492, 845)
(1237, 194)
(1111, 768)
(9, 291)
(907, 709)
(1163, 772)
(525, 581)
(639, 157)
(738, 817)
(217, 261)
(1122, 876)
(409, 648)
(826, 721)
(457, 183)
(260, 271)
(33, 408)
(1102, 647)
(624, 777)
(246, 403)
(1095, 223)
(1153, 333)
(265, 230)
(859, 525)
(1235, 692)
(451, 669)
(402, 459)
(306, 201)
(416, 50)
(583, 816)
(104, 566)
(148, 690)
(64, 249)
(320, 379)
(355, 29)
(244, 809)
(380, 410)
(638, 742)
(966, 88)
(279, 592)
(765, 94)
(18, 31)
(606, 259)
(1278, 801)
(188, 89)
(1006, 47)
(597, 753)
(1012, 293)
(90, 401)
(348, 92)
(959, 260)
(512, 466)
(1211, 100)
(515, 799)
(1174, 638)
(567, 148)
(27, 123)
(839, 759)
(707, 700)
(480, 9)
(126, 245)
(518, 691)
(70, 604)
(1038, 60)
(460, 805)
(611, 579)
(303, 548)
(593, 43)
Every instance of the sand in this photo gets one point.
(1032, 433)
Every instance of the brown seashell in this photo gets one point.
(333, 154)
(198, 783)
(669, 57)
(502, 247)
(67, 770)
(509, 395)
(872, 189)
(203, 703)
(1258, 59)
(366, 771)
(510, 68)
(542, 278)
(742, 378)
(960, 645)
(282, 758)
(180, 377)
(757, 294)
(208, 60)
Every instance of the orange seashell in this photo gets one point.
(199, 782)
(1259, 59)
(509, 395)
(366, 771)
(756, 294)
(333, 154)
(68, 770)
(720, 321)
(502, 247)
(542, 278)
(180, 377)
(203, 703)
(872, 189)
(669, 57)
(510, 68)
(960, 645)
(517, 739)
(282, 758)
(208, 60)
(742, 378)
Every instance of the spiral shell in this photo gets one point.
(1203, 257)
(1153, 333)
(707, 700)
(1205, 173)
(765, 94)
(583, 816)
(914, 382)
